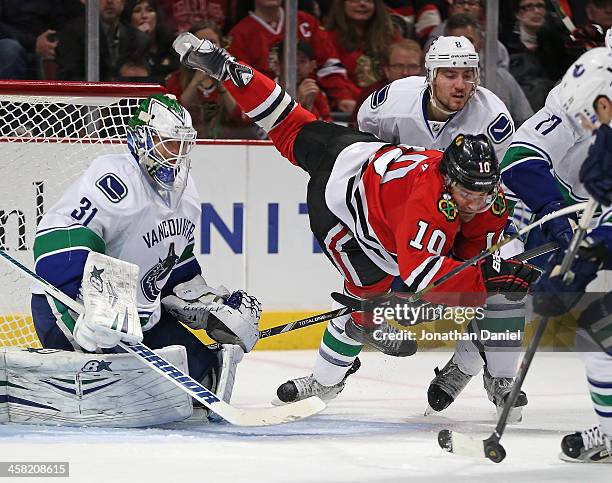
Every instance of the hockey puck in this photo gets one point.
(445, 440)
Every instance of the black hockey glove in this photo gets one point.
(555, 295)
(509, 277)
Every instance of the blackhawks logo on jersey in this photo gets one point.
(499, 206)
(156, 273)
(448, 207)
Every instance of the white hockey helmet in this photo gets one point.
(587, 79)
(450, 51)
(609, 38)
(160, 136)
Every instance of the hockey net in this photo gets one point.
(49, 133)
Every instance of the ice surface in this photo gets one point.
(374, 432)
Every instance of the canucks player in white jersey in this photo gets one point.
(584, 98)
(142, 207)
(431, 111)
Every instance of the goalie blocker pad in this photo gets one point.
(48, 386)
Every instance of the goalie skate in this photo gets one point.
(304, 387)
(498, 389)
(589, 446)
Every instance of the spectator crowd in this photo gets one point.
(346, 49)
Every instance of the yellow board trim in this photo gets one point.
(18, 330)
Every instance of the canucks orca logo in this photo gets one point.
(379, 97)
(578, 70)
(158, 272)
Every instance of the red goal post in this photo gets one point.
(49, 133)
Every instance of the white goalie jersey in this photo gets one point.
(397, 114)
(112, 209)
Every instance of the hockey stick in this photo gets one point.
(490, 251)
(350, 307)
(296, 324)
(569, 25)
(239, 417)
(491, 448)
(358, 304)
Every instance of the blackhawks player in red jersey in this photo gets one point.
(379, 211)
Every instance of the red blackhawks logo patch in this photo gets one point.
(499, 206)
(448, 207)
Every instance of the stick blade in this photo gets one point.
(287, 413)
(460, 444)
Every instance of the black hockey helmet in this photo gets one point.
(470, 161)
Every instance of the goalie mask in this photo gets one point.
(587, 79)
(160, 136)
(470, 165)
(450, 52)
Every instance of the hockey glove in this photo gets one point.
(596, 171)
(508, 277)
(559, 229)
(236, 321)
(109, 296)
(227, 318)
(193, 300)
(555, 295)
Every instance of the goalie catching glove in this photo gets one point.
(109, 296)
(227, 318)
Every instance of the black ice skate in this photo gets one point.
(214, 61)
(446, 386)
(304, 387)
(498, 389)
(383, 337)
(589, 446)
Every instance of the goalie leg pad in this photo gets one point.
(229, 357)
(47, 386)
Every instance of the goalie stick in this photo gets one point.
(239, 417)
(491, 448)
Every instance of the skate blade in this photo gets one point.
(514, 417)
(429, 411)
(277, 402)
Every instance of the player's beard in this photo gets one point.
(466, 216)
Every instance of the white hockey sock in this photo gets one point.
(337, 352)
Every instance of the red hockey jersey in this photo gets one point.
(257, 43)
(394, 201)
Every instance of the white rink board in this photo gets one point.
(253, 178)
(294, 278)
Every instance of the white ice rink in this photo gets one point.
(374, 432)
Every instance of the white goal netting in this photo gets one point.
(49, 133)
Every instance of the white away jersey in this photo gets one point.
(113, 209)
(550, 135)
(553, 142)
(397, 114)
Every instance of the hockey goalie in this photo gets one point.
(121, 239)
